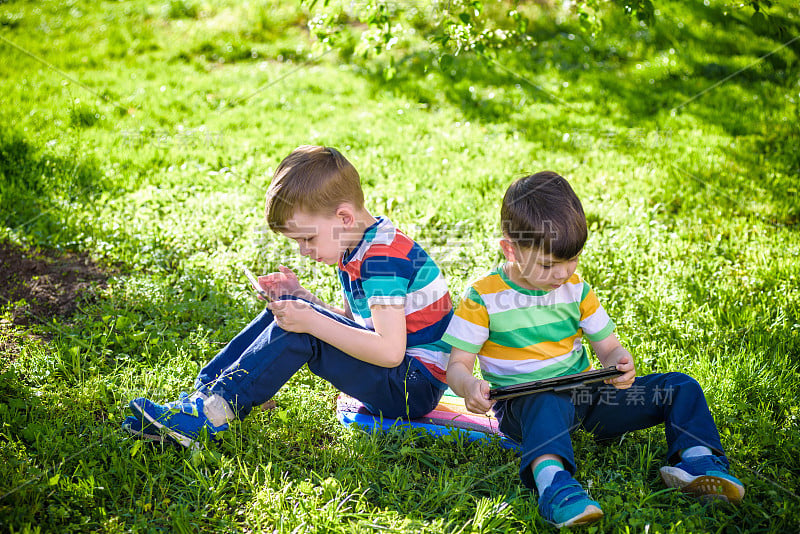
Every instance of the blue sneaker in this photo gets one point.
(564, 503)
(705, 477)
(133, 426)
(183, 420)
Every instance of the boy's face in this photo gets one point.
(322, 238)
(533, 269)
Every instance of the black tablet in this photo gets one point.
(559, 383)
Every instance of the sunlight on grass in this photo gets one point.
(144, 135)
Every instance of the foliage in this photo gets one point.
(464, 26)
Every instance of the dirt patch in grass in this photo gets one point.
(38, 284)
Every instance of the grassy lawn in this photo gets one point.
(141, 136)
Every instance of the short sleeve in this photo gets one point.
(595, 322)
(385, 280)
(469, 327)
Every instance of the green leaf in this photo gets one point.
(446, 61)
(136, 447)
(122, 322)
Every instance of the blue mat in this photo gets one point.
(449, 416)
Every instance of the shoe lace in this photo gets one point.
(185, 405)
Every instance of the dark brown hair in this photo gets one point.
(542, 211)
(314, 179)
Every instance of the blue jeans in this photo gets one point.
(542, 422)
(262, 357)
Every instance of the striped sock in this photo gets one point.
(694, 452)
(544, 473)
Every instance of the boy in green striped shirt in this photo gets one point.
(526, 320)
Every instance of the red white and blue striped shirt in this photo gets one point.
(388, 267)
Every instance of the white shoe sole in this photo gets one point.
(146, 436)
(179, 438)
(591, 514)
(707, 487)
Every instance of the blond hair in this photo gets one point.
(313, 179)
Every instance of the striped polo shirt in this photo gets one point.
(522, 334)
(388, 267)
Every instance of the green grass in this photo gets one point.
(153, 157)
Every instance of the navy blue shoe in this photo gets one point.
(705, 477)
(564, 503)
(133, 426)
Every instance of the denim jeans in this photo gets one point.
(262, 357)
(542, 422)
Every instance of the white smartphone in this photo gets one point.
(254, 282)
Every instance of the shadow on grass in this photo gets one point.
(574, 95)
(61, 462)
(707, 40)
(406, 473)
(63, 459)
(55, 456)
(37, 185)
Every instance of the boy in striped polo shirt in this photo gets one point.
(525, 321)
(383, 348)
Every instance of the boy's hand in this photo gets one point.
(294, 315)
(464, 384)
(610, 352)
(284, 282)
(624, 363)
(477, 397)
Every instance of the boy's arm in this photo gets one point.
(464, 384)
(610, 352)
(385, 346)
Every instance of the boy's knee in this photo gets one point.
(676, 384)
(550, 405)
(553, 399)
(682, 380)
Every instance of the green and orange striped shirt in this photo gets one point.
(521, 334)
